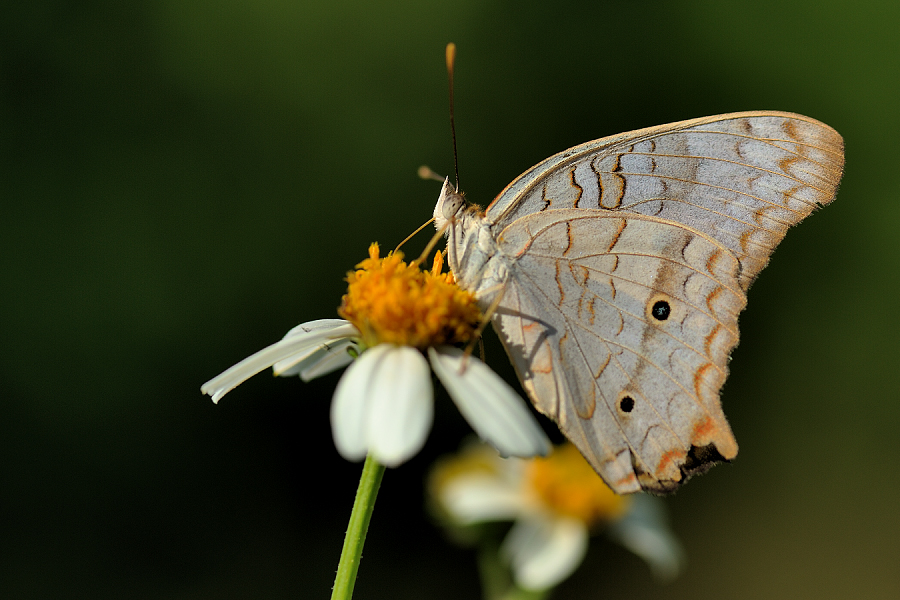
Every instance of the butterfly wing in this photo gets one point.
(630, 258)
(742, 178)
(635, 390)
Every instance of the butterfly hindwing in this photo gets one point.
(577, 318)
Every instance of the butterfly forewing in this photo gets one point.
(742, 178)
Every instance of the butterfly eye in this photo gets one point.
(626, 404)
(660, 310)
(453, 202)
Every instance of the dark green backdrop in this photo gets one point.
(182, 182)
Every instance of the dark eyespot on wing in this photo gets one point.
(661, 310)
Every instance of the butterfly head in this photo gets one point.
(449, 205)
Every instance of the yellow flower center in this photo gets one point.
(391, 301)
(567, 485)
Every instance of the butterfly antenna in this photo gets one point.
(434, 240)
(451, 60)
(410, 236)
(425, 172)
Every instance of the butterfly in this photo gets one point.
(614, 273)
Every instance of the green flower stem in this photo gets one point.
(369, 482)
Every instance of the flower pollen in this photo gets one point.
(391, 301)
(567, 485)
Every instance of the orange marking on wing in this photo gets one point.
(711, 261)
(525, 248)
(628, 479)
(709, 339)
(615, 239)
(758, 214)
(790, 129)
(785, 164)
(668, 458)
(745, 239)
(577, 187)
(602, 367)
(712, 296)
(623, 183)
(703, 431)
(600, 190)
(568, 238)
(699, 376)
(562, 292)
(791, 192)
(583, 296)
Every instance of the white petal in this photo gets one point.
(402, 405)
(480, 497)
(320, 360)
(297, 344)
(332, 359)
(287, 367)
(493, 409)
(543, 551)
(644, 531)
(351, 403)
(317, 325)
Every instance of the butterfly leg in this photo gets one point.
(486, 318)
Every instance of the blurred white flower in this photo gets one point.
(555, 503)
(384, 403)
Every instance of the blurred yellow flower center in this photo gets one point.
(567, 485)
(476, 459)
(391, 301)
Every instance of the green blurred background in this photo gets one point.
(182, 182)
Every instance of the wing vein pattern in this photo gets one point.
(626, 263)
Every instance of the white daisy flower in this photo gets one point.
(384, 403)
(555, 504)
